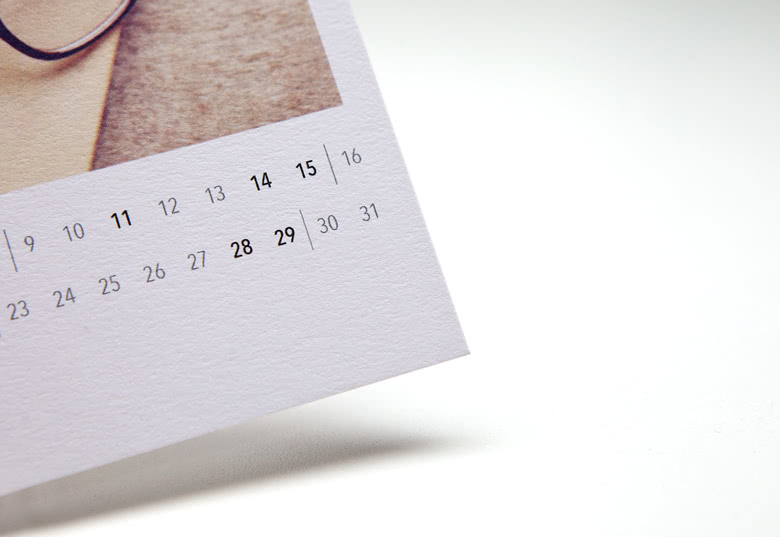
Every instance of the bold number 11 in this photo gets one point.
(117, 220)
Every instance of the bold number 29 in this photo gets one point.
(283, 235)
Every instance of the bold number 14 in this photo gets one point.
(264, 181)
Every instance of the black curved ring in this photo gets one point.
(50, 55)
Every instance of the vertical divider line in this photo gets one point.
(330, 163)
(10, 250)
(306, 228)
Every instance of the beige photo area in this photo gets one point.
(181, 72)
(50, 113)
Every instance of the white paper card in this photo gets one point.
(130, 323)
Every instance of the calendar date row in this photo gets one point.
(155, 272)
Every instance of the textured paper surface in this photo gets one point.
(155, 363)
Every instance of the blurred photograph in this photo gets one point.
(87, 84)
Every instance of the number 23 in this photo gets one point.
(19, 310)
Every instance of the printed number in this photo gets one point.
(110, 284)
(76, 231)
(30, 242)
(329, 224)
(172, 207)
(198, 260)
(288, 233)
(153, 275)
(62, 298)
(309, 169)
(264, 181)
(369, 212)
(19, 310)
(216, 193)
(118, 220)
(242, 249)
(354, 159)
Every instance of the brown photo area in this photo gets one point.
(188, 71)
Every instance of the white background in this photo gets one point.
(601, 184)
